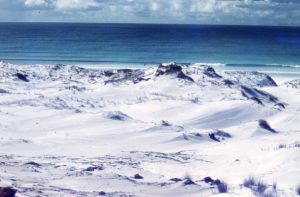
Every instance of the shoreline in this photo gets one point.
(279, 73)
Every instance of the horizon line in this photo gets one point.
(135, 23)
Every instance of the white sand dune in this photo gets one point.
(70, 131)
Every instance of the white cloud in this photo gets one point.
(172, 11)
(154, 6)
(33, 3)
(75, 4)
(64, 5)
(203, 6)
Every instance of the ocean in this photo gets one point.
(275, 49)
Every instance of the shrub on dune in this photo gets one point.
(249, 182)
(269, 194)
(260, 188)
(188, 181)
(222, 187)
(265, 125)
(298, 190)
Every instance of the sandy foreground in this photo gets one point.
(169, 130)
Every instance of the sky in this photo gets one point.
(233, 12)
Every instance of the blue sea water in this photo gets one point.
(139, 45)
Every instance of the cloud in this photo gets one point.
(253, 12)
(63, 5)
(75, 4)
(34, 3)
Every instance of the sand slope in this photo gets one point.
(70, 131)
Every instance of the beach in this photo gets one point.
(167, 130)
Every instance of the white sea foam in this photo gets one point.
(210, 64)
(291, 65)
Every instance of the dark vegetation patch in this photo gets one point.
(208, 179)
(188, 181)
(122, 75)
(2, 91)
(175, 179)
(102, 193)
(221, 185)
(213, 137)
(228, 82)
(137, 176)
(298, 190)
(279, 105)
(22, 77)
(140, 79)
(249, 182)
(210, 72)
(93, 168)
(260, 188)
(259, 96)
(172, 69)
(117, 116)
(32, 163)
(165, 123)
(293, 145)
(7, 192)
(222, 134)
(219, 135)
(265, 125)
(271, 81)
(293, 84)
(269, 194)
